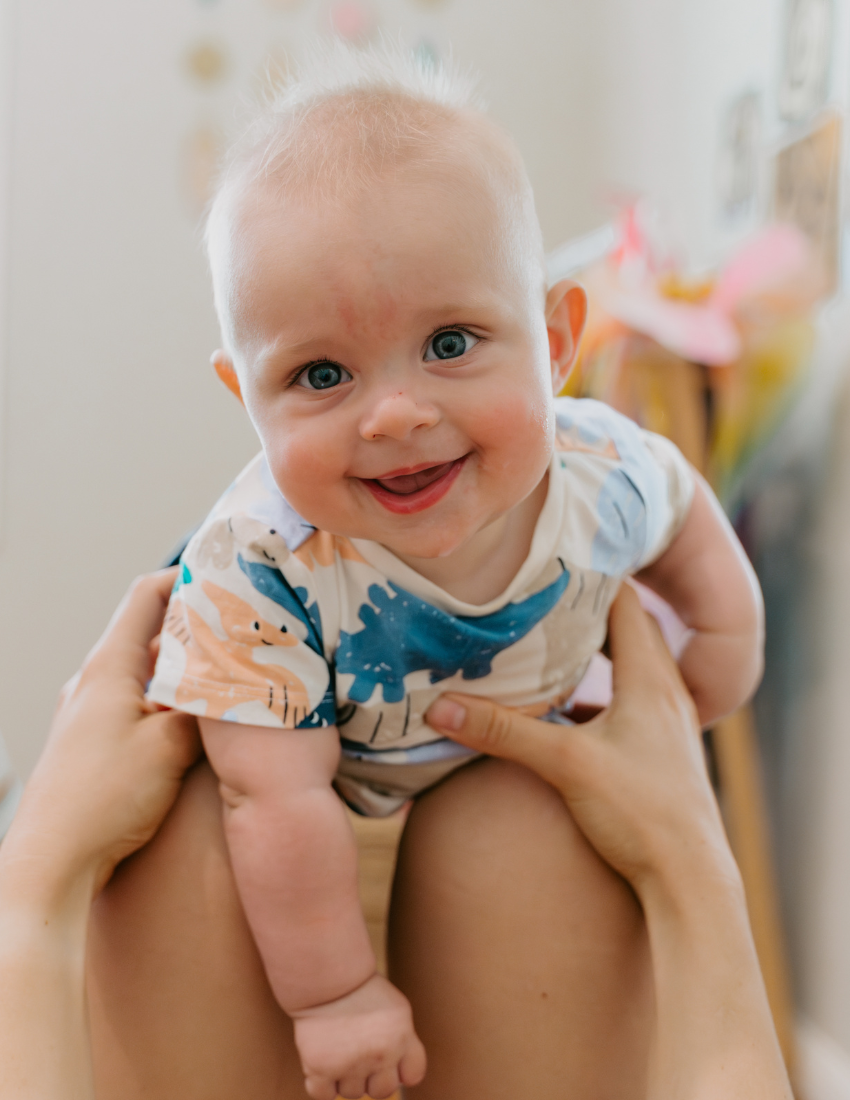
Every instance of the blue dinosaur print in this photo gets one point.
(271, 583)
(402, 634)
(620, 540)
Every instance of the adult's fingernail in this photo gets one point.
(446, 713)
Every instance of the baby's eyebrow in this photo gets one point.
(304, 349)
(430, 318)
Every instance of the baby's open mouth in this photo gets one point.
(416, 490)
(403, 484)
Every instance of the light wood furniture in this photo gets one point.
(377, 844)
(742, 803)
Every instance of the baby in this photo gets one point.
(424, 516)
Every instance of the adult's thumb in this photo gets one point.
(494, 730)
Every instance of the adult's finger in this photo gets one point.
(485, 726)
(181, 734)
(639, 655)
(123, 646)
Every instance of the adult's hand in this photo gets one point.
(634, 777)
(109, 773)
(113, 762)
(636, 783)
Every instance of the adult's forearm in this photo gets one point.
(44, 1040)
(295, 863)
(714, 1036)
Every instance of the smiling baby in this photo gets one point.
(424, 515)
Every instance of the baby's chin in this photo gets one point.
(425, 543)
(410, 549)
(437, 541)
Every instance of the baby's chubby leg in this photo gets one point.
(295, 863)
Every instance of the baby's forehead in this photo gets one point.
(400, 157)
(352, 145)
(411, 257)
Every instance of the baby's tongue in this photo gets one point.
(412, 483)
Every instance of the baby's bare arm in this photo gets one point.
(294, 858)
(295, 864)
(706, 576)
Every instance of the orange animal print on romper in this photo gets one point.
(212, 661)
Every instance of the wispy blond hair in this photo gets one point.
(349, 118)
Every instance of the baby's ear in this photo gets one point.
(566, 311)
(227, 372)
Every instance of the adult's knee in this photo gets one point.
(494, 825)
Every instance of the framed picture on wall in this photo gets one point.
(806, 58)
(807, 189)
(739, 156)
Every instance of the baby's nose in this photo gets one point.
(396, 415)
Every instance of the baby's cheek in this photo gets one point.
(516, 430)
(310, 473)
(300, 464)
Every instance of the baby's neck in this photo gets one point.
(483, 567)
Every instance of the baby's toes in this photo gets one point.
(352, 1087)
(382, 1084)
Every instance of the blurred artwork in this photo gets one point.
(807, 192)
(807, 52)
(206, 62)
(282, 5)
(352, 20)
(201, 159)
(740, 156)
(426, 52)
(711, 363)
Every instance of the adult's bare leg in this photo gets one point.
(524, 956)
(179, 1002)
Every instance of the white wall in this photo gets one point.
(674, 67)
(7, 56)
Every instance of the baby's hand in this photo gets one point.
(360, 1045)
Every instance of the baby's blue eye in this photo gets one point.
(450, 344)
(323, 376)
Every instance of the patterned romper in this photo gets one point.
(275, 623)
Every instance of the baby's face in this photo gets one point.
(395, 366)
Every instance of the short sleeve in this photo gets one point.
(242, 639)
(637, 486)
(675, 495)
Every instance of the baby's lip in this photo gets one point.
(414, 488)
